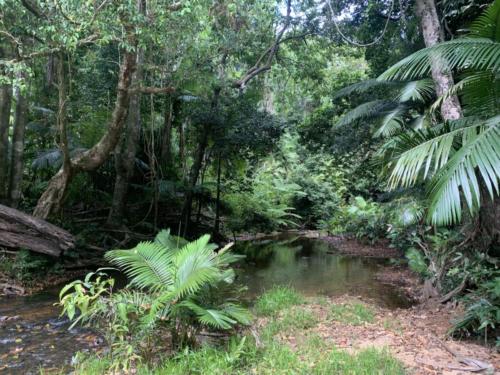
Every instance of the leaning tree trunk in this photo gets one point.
(5, 103)
(51, 200)
(441, 74)
(126, 150)
(17, 154)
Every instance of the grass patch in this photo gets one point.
(242, 357)
(291, 320)
(276, 299)
(355, 313)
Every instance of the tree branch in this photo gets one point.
(268, 54)
(152, 90)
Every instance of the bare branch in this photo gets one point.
(152, 90)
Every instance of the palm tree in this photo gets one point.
(180, 277)
(173, 284)
(459, 159)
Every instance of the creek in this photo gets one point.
(34, 336)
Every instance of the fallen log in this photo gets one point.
(19, 230)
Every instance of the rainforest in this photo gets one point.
(249, 187)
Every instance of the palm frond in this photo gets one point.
(362, 87)
(169, 241)
(368, 110)
(479, 151)
(209, 317)
(417, 151)
(458, 54)
(238, 313)
(417, 91)
(148, 265)
(392, 122)
(195, 266)
(480, 94)
(487, 25)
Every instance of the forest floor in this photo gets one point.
(417, 336)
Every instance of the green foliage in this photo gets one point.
(27, 267)
(482, 314)
(354, 313)
(416, 261)
(362, 219)
(276, 299)
(291, 186)
(173, 285)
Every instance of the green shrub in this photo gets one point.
(174, 286)
(416, 261)
(362, 219)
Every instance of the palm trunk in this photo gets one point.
(5, 104)
(126, 150)
(17, 164)
(441, 74)
(51, 200)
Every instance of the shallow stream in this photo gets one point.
(33, 336)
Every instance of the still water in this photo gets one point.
(33, 336)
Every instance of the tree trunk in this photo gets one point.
(166, 145)
(22, 231)
(489, 219)
(193, 177)
(182, 147)
(217, 201)
(441, 74)
(17, 154)
(51, 200)
(198, 161)
(126, 150)
(5, 103)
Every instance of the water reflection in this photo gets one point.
(313, 267)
